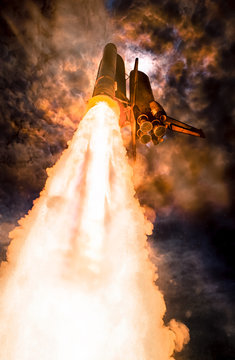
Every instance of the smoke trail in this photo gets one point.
(78, 282)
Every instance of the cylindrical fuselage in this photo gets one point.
(105, 81)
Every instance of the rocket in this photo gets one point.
(147, 118)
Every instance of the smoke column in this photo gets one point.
(78, 283)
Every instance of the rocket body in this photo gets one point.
(105, 81)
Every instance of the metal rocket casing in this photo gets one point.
(110, 79)
(105, 81)
(110, 85)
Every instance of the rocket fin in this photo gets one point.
(178, 126)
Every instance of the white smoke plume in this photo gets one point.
(78, 282)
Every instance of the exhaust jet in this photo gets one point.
(146, 116)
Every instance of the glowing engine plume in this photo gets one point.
(78, 283)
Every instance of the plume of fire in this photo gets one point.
(78, 283)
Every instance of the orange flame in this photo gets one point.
(78, 283)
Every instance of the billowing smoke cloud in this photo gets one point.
(187, 46)
(184, 177)
(48, 66)
(78, 270)
(49, 56)
(185, 182)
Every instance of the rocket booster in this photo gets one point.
(105, 81)
(110, 79)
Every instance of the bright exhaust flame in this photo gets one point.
(78, 283)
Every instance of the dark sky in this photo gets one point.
(49, 53)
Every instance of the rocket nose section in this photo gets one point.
(110, 47)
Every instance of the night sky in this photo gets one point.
(49, 54)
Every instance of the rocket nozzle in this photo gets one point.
(144, 138)
(159, 130)
(144, 123)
